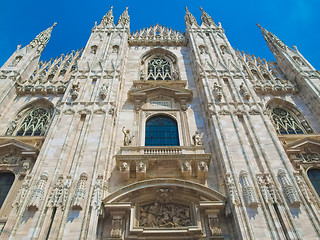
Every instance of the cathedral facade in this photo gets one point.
(159, 134)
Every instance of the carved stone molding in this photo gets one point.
(80, 192)
(288, 188)
(157, 35)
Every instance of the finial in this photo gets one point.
(111, 7)
(127, 8)
(55, 23)
(259, 25)
(201, 8)
(186, 8)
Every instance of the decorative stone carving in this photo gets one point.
(157, 35)
(186, 169)
(141, 170)
(306, 192)
(124, 18)
(217, 89)
(215, 230)
(288, 188)
(164, 215)
(202, 170)
(164, 195)
(244, 91)
(206, 19)
(309, 156)
(80, 192)
(232, 191)
(127, 140)
(248, 190)
(190, 19)
(116, 231)
(197, 139)
(12, 127)
(22, 193)
(74, 91)
(10, 158)
(103, 91)
(97, 193)
(108, 18)
(60, 192)
(124, 170)
(38, 192)
(264, 189)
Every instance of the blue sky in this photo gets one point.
(293, 21)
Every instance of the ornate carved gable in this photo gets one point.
(14, 153)
(164, 208)
(140, 95)
(305, 151)
(157, 35)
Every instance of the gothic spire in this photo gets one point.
(271, 38)
(206, 18)
(190, 19)
(41, 40)
(124, 18)
(108, 18)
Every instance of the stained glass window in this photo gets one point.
(6, 181)
(159, 69)
(35, 123)
(161, 131)
(285, 122)
(314, 176)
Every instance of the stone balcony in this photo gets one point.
(143, 162)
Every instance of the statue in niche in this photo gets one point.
(197, 139)
(127, 137)
(164, 215)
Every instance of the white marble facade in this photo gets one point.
(73, 130)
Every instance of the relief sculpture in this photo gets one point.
(164, 215)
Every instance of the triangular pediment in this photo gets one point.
(301, 144)
(20, 147)
(154, 91)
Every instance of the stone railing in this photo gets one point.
(161, 150)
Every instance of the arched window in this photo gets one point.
(314, 176)
(159, 69)
(285, 122)
(161, 131)
(35, 123)
(6, 181)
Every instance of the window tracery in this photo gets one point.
(161, 131)
(159, 69)
(35, 123)
(285, 122)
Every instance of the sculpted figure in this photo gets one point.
(197, 139)
(127, 137)
(141, 166)
(123, 167)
